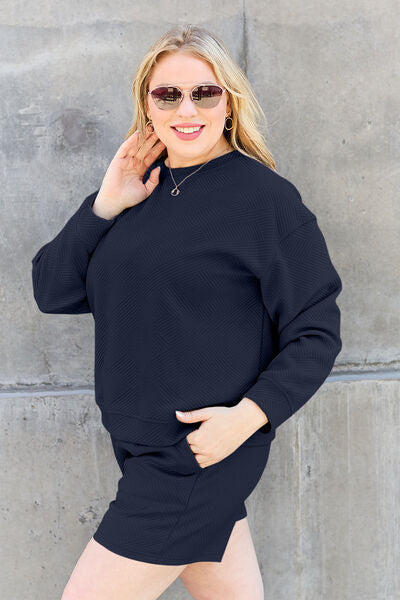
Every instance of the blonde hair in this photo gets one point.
(246, 111)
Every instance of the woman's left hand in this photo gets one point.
(223, 429)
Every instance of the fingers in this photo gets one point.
(153, 154)
(138, 148)
(146, 141)
(136, 142)
(152, 180)
(127, 146)
(130, 146)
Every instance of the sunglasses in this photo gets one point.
(203, 95)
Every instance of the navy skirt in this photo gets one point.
(169, 510)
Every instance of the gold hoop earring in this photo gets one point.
(228, 128)
(149, 122)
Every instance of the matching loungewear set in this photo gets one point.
(222, 292)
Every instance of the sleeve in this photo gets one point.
(299, 290)
(59, 267)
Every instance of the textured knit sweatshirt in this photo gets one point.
(222, 292)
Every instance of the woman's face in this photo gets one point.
(185, 71)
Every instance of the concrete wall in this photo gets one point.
(325, 516)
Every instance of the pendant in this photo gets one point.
(175, 192)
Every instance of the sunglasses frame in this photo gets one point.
(183, 93)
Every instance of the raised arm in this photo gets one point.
(59, 267)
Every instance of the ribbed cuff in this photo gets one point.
(90, 228)
(272, 400)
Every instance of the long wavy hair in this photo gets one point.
(246, 111)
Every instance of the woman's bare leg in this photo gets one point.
(236, 577)
(101, 574)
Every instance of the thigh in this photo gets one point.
(101, 574)
(236, 577)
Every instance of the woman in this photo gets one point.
(214, 295)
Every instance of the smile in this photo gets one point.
(188, 133)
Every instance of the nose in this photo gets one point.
(187, 107)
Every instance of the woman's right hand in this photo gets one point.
(122, 184)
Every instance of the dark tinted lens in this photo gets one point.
(166, 97)
(207, 96)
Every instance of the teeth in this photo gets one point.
(187, 129)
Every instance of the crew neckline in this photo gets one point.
(214, 162)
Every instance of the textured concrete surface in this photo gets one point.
(325, 516)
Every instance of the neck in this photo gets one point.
(196, 161)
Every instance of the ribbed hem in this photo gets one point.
(141, 430)
(90, 228)
(272, 400)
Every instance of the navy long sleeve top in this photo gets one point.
(222, 292)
